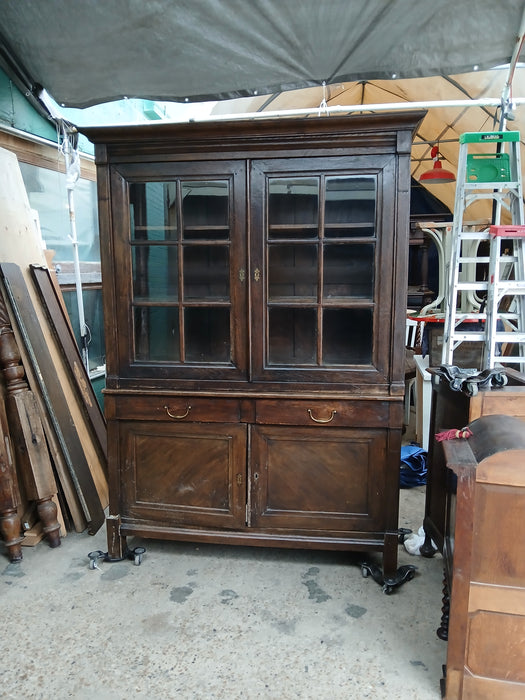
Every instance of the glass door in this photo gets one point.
(187, 261)
(318, 291)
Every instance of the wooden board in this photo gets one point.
(55, 399)
(66, 340)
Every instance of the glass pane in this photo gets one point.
(155, 273)
(206, 273)
(207, 333)
(292, 336)
(205, 210)
(350, 207)
(156, 334)
(292, 271)
(347, 337)
(153, 211)
(47, 193)
(348, 271)
(293, 207)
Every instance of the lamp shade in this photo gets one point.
(437, 174)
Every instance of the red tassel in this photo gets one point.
(464, 433)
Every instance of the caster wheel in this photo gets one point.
(137, 555)
(387, 590)
(471, 389)
(93, 556)
(500, 379)
(364, 572)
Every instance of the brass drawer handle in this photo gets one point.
(322, 420)
(171, 415)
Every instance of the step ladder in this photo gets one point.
(489, 311)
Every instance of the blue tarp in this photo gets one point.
(413, 470)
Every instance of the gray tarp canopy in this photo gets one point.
(88, 52)
(274, 55)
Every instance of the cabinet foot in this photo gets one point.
(98, 555)
(427, 549)
(389, 583)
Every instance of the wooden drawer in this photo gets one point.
(335, 414)
(176, 409)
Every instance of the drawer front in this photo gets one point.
(336, 414)
(176, 409)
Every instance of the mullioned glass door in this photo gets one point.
(320, 260)
(187, 270)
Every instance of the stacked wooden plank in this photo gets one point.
(55, 460)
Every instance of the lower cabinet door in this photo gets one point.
(192, 474)
(319, 478)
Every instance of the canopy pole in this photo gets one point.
(506, 101)
(376, 107)
(72, 161)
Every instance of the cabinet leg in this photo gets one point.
(442, 631)
(427, 549)
(117, 546)
(390, 554)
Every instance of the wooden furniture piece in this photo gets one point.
(453, 409)
(254, 280)
(27, 434)
(484, 546)
(10, 524)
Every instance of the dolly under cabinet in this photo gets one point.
(254, 278)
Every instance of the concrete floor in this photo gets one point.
(218, 623)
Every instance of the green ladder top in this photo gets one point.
(489, 136)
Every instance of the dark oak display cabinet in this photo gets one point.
(254, 281)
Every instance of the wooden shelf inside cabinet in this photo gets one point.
(283, 258)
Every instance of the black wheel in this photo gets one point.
(500, 379)
(387, 590)
(364, 572)
(471, 389)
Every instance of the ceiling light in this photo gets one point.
(437, 174)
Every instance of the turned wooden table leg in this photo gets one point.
(47, 512)
(10, 531)
(27, 434)
(10, 525)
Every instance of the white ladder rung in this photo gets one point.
(482, 285)
(498, 186)
(474, 316)
(511, 358)
(512, 337)
(515, 287)
(468, 337)
(474, 235)
(473, 259)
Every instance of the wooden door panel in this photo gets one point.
(317, 478)
(191, 474)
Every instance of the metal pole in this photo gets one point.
(72, 174)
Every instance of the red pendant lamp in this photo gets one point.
(437, 174)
